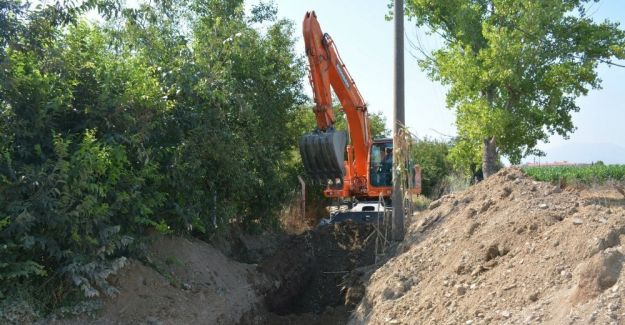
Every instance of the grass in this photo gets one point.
(420, 202)
(589, 174)
(452, 183)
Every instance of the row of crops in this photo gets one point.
(583, 173)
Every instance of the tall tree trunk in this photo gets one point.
(489, 157)
(489, 154)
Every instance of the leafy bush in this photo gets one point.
(155, 121)
(432, 156)
(63, 218)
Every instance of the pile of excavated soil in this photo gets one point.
(507, 251)
(189, 282)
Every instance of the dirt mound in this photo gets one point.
(189, 282)
(508, 250)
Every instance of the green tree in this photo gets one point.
(432, 156)
(514, 69)
(73, 186)
(377, 124)
(304, 122)
(106, 131)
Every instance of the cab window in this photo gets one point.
(381, 164)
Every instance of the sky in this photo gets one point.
(365, 42)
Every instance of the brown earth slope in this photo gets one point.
(507, 251)
(190, 282)
(302, 279)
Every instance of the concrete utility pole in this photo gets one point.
(398, 121)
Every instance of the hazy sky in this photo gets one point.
(365, 41)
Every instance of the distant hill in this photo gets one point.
(609, 153)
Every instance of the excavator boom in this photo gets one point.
(362, 169)
(326, 155)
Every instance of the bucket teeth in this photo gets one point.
(323, 154)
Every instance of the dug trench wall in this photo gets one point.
(317, 277)
(303, 279)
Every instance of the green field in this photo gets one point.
(584, 174)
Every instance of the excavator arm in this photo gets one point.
(327, 69)
(323, 150)
(366, 172)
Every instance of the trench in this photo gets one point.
(318, 277)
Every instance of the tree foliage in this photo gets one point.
(175, 116)
(432, 156)
(305, 122)
(377, 124)
(514, 69)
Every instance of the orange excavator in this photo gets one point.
(361, 169)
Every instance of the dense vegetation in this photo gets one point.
(588, 174)
(514, 69)
(175, 117)
(433, 157)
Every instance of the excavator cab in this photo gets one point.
(381, 163)
(381, 168)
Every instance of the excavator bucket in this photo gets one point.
(323, 154)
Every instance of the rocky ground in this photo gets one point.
(507, 251)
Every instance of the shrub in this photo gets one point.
(431, 155)
(63, 218)
(105, 132)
